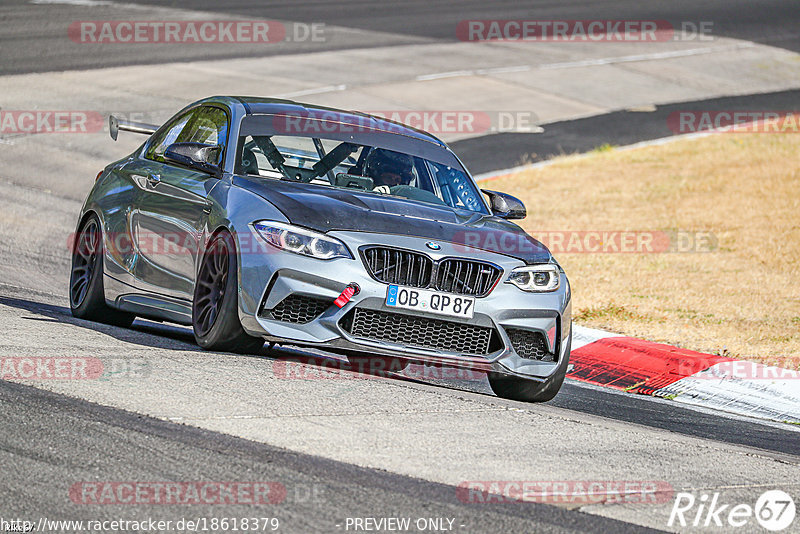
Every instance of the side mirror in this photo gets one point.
(198, 156)
(505, 206)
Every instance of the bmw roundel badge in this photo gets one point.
(433, 245)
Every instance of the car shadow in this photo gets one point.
(157, 335)
(310, 363)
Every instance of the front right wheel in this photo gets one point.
(526, 390)
(215, 313)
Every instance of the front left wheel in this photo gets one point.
(87, 298)
(215, 314)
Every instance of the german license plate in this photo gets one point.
(412, 298)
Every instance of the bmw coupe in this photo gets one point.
(258, 220)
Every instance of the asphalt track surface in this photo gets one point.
(49, 440)
(33, 45)
(42, 462)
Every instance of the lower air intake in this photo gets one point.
(421, 332)
(530, 345)
(298, 309)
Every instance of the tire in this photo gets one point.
(87, 298)
(215, 306)
(523, 389)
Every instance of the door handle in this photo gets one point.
(153, 179)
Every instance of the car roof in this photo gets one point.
(276, 106)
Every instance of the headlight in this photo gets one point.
(537, 278)
(301, 241)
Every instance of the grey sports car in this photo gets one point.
(259, 219)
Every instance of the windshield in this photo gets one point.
(350, 165)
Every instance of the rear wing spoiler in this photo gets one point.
(115, 125)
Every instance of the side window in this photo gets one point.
(205, 124)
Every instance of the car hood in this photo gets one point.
(325, 209)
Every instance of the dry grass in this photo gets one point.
(742, 299)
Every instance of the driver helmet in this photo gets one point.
(389, 168)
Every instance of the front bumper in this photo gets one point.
(269, 278)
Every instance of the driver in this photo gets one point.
(388, 169)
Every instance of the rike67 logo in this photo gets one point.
(774, 510)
